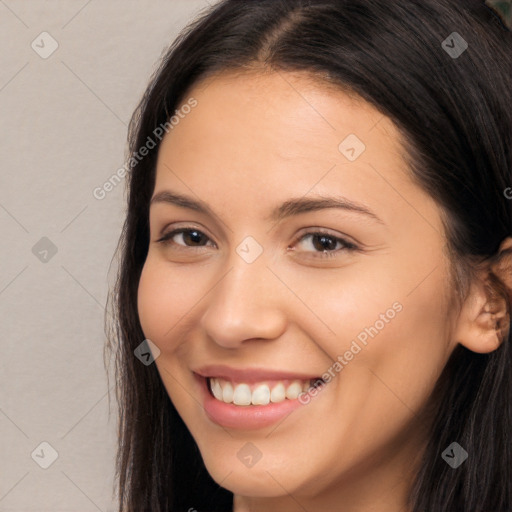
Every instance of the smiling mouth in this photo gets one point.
(259, 393)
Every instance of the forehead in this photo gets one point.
(292, 106)
(247, 120)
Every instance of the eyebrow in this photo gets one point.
(289, 208)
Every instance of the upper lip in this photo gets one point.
(250, 375)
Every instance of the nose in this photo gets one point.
(246, 304)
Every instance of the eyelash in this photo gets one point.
(347, 246)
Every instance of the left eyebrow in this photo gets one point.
(306, 204)
(291, 207)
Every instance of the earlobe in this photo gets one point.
(484, 321)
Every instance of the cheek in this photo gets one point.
(417, 345)
(164, 298)
(391, 357)
(389, 380)
(165, 302)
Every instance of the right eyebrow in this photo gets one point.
(181, 200)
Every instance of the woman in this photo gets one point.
(316, 263)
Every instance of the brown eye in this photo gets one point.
(324, 244)
(185, 238)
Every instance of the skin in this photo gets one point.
(254, 141)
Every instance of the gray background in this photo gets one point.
(63, 133)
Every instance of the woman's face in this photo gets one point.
(307, 251)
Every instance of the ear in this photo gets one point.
(484, 320)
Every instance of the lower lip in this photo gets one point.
(245, 417)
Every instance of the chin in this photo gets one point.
(267, 478)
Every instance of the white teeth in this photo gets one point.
(227, 392)
(278, 394)
(294, 390)
(262, 394)
(216, 389)
(242, 395)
